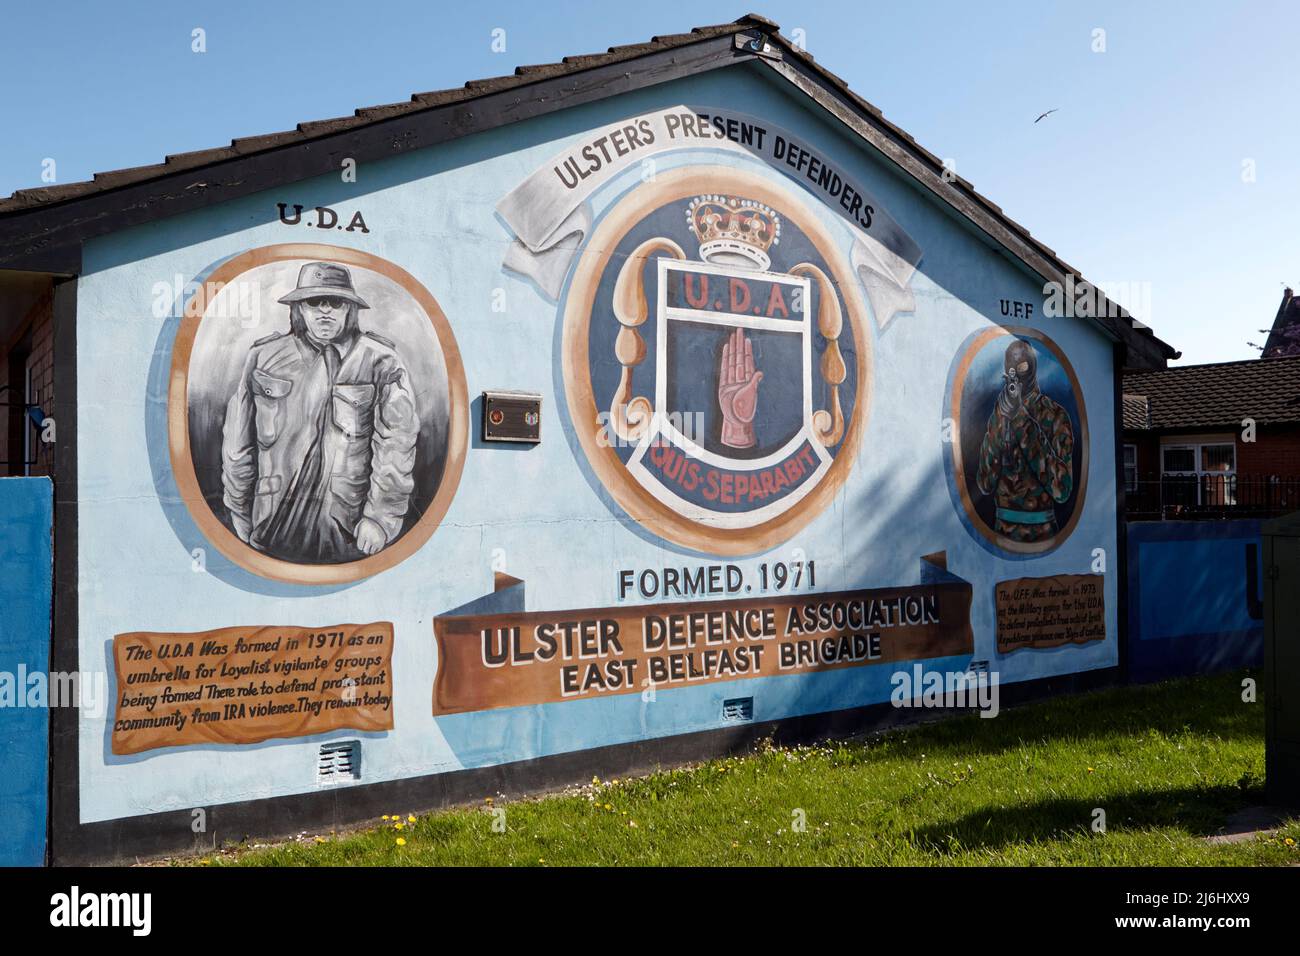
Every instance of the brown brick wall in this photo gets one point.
(1275, 451)
(1148, 454)
(35, 343)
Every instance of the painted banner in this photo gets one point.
(549, 215)
(1049, 612)
(243, 685)
(513, 660)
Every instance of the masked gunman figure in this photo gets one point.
(1027, 455)
(318, 445)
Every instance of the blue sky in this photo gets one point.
(1138, 180)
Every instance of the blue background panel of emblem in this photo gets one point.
(694, 364)
(669, 221)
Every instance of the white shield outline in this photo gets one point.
(663, 426)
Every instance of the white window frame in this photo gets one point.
(1130, 484)
(1197, 444)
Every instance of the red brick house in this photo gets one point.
(1214, 440)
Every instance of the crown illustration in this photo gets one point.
(734, 230)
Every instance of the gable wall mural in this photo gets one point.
(802, 431)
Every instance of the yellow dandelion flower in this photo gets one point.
(410, 818)
(384, 817)
(1289, 842)
(399, 825)
(401, 841)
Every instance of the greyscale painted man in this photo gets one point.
(318, 446)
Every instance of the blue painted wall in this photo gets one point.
(539, 514)
(1195, 597)
(26, 582)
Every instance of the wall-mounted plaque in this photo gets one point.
(512, 416)
(1049, 612)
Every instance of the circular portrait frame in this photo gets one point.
(639, 504)
(973, 345)
(178, 425)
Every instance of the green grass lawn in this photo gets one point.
(1167, 764)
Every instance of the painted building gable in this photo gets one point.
(806, 437)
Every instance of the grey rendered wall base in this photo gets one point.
(135, 838)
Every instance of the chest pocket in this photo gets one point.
(268, 395)
(354, 410)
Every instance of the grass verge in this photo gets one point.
(1166, 763)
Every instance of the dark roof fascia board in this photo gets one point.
(1176, 431)
(48, 238)
(927, 169)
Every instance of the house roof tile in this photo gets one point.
(1219, 395)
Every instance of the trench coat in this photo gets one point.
(311, 444)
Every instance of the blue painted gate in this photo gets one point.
(1195, 597)
(26, 583)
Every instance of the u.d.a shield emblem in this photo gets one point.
(736, 447)
(716, 359)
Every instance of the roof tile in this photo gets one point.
(1137, 413)
(1219, 395)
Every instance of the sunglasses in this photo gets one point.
(331, 303)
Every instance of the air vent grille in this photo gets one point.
(339, 762)
(738, 708)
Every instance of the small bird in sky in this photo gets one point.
(1048, 113)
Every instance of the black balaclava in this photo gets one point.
(1020, 366)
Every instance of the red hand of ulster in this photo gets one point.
(738, 391)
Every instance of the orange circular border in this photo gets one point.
(640, 504)
(178, 427)
(959, 471)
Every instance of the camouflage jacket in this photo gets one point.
(1027, 464)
